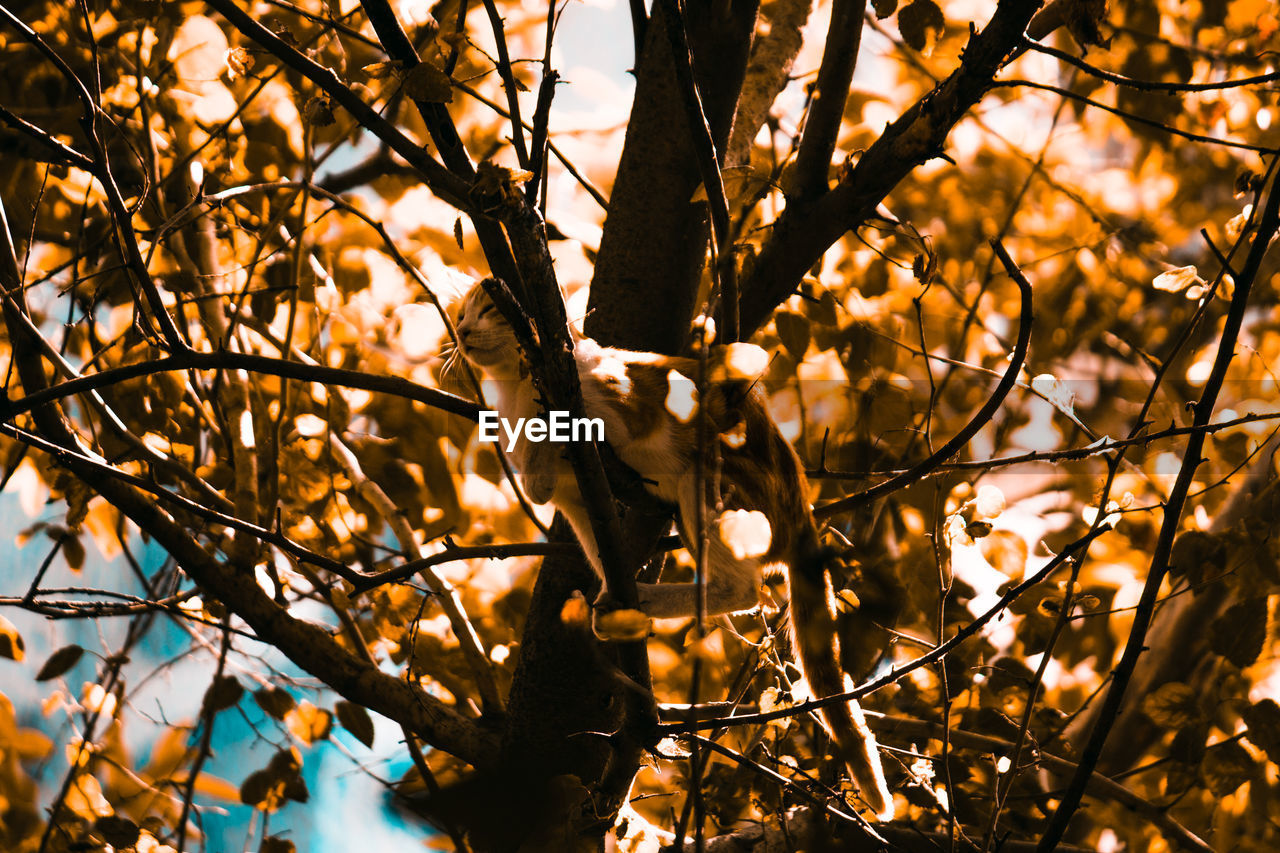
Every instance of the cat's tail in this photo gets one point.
(818, 648)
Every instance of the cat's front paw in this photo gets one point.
(613, 623)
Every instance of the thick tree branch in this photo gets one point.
(224, 360)
(308, 645)
(978, 421)
(447, 185)
(831, 90)
(654, 241)
(445, 135)
(773, 51)
(804, 232)
(710, 163)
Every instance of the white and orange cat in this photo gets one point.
(639, 396)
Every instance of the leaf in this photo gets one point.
(1006, 551)
(1226, 767)
(213, 786)
(426, 82)
(280, 780)
(223, 693)
(1196, 556)
(11, 644)
(1263, 720)
(793, 331)
(73, 553)
(1172, 706)
(308, 723)
(1008, 673)
(255, 790)
(1177, 280)
(989, 503)
(117, 831)
(356, 720)
(239, 62)
(318, 111)
(1239, 633)
(823, 312)
(1188, 745)
(381, 70)
(921, 23)
(884, 8)
(59, 662)
(276, 701)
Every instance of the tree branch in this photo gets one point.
(306, 644)
(977, 422)
(1073, 551)
(804, 232)
(224, 360)
(447, 185)
(1135, 645)
(831, 90)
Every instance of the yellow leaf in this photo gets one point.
(213, 786)
(308, 723)
(11, 644)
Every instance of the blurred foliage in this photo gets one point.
(270, 222)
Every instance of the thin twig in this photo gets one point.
(446, 594)
(977, 422)
(1267, 226)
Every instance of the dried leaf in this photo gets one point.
(356, 720)
(1172, 706)
(921, 23)
(59, 662)
(1177, 280)
(318, 111)
(426, 82)
(1226, 767)
(793, 331)
(1263, 720)
(1239, 633)
(11, 644)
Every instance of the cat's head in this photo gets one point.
(485, 339)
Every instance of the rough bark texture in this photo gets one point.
(655, 239)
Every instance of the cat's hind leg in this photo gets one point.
(733, 585)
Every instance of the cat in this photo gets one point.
(648, 404)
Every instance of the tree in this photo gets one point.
(229, 234)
